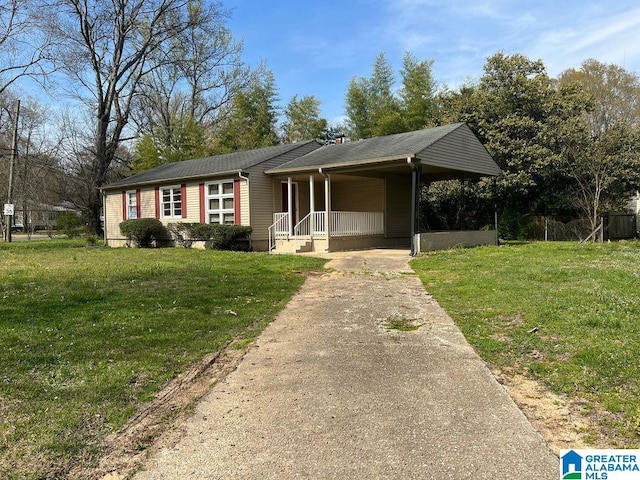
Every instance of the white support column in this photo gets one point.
(290, 205)
(312, 207)
(327, 205)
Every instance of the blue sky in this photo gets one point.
(315, 47)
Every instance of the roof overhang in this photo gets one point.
(368, 164)
(397, 165)
(120, 186)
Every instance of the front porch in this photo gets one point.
(312, 233)
(340, 211)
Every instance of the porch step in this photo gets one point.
(304, 247)
(299, 245)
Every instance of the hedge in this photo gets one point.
(216, 237)
(142, 231)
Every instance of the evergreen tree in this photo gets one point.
(418, 94)
(251, 121)
(372, 109)
(302, 119)
(524, 120)
(183, 140)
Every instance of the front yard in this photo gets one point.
(563, 314)
(89, 335)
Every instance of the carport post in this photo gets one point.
(290, 205)
(414, 203)
(495, 211)
(327, 207)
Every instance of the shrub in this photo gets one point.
(230, 237)
(69, 224)
(216, 237)
(142, 231)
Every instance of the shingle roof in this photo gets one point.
(218, 164)
(450, 146)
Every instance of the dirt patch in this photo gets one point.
(126, 451)
(560, 421)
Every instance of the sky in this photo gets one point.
(314, 47)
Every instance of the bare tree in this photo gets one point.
(106, 48)
(604, 156)
(22, 49)
(210, 61)
(195, 80)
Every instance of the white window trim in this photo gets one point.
(220, 196)
(128, 194)
(172, 202)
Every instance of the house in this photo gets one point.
(310, 197)
(40, 216)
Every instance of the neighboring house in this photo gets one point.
(309, 197)
(40, 216)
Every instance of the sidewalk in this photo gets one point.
(328, 391)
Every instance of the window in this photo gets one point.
(171, 202)
(219, 202)
(132, 204)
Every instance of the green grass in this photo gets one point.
(564, 314)
(88, 335)
(402, 324)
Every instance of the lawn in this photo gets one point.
(88, 335)
(564, 314)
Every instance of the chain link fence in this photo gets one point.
(616, 226)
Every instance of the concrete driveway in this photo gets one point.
(329, 391)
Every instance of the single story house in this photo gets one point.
(34, 216)
(308, 196)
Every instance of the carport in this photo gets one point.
(366, 193)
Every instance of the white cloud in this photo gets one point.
(608, 32)
(459, 35)
(608, 38)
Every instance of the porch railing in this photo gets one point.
(313, 222)
(279, 228)
(346, 224)
(343, 224)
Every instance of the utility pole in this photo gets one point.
(14, 156)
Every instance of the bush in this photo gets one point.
(216, 237)
(69, 224)
(230, 237)
(142, 231)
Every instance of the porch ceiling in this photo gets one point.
(447, 152)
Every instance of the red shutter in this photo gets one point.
(138, 206)
(124, 205)
(202, 206)
(183, 196)
(157, 202)
(236, 201)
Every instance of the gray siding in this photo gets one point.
(262, 198)
(460, 150)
